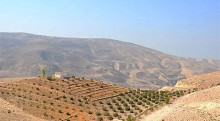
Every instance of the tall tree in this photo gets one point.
(43, 72)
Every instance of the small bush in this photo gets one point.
(104, 109)
(106, 113)
(49, 78)
(167, 100)
(89, 112)
(60, 111)
(98, 113)
(110, 117)
(127, 108)
(67, 113)
(121, 111)
(130, 118)
(99, 119)
(115, 114)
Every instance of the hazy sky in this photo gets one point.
(189, 28)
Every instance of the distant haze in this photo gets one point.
(189, 28)
(130, 65)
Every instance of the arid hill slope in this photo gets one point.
(79, 99)
(74, 99)
(203, 81)
(203, 105)
(9, 112)
(108, 60)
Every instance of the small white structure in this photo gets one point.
(60, 74)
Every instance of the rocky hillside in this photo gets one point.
(108, 60)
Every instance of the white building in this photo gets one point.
(60, 74)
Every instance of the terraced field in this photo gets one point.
(79, 99)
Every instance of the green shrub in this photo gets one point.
(135, 100)
(121, 111)
(110, 117)
(130, 118)
(71, 98)
(151, 109)
(89, 112)
(110, 106)
(127, 108)
(119, 99)
(60, 111)
(106, 113)
(104, 109)
(167, 100)
(119, 107)
(115, 114)
(98, 113)
(108, 103)
(139, 103)
(79, 100)
(67, 113)
(49, 78)
(99, 119)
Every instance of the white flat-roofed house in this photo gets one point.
(60, 74)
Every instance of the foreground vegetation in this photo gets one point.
(83, 100)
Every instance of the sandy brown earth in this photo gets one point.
(203, 105)
(9, 112)
(56, 99)
(8, 80)
(32, 97)
(200, 82)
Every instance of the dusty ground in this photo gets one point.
(9, 112)
(200, 81)
(8, 80)
(57, 99)
(78, 99)
(203, 105)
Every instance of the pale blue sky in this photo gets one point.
(189, 28)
